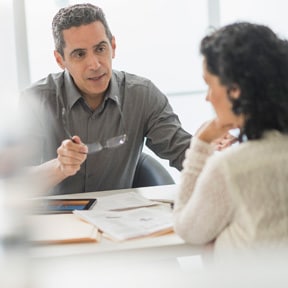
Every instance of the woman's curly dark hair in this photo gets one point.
(253, 57)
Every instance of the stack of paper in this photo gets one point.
(128, 224)
(122, 201)
(166, 195)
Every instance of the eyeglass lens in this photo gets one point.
(97, 146)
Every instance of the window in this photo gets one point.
(271, 13)
(156, 39)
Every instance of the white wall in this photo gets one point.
(193, 111)
(158, 39)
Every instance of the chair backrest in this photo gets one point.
(149, 172)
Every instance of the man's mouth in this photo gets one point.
(96, 78)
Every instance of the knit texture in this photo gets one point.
(237, 198)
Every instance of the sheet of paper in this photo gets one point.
(165, 194)
(128, 224)
(120, 201)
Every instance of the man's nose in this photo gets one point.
(93, 62)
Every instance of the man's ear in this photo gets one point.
(59, 59)
(113, 45)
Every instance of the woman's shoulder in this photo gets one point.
(253, 153)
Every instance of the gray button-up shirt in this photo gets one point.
(147, 115)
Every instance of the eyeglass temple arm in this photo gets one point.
(121, 115)
(65, 125)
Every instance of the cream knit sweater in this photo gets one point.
(237, 198)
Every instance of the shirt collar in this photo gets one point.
(112, 92)
(71, 90)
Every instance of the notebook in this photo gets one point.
(60, 228)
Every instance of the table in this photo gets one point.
(169, 243)
(147, 262)
(144, 262)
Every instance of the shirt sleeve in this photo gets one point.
(203, 206)
(164, 132)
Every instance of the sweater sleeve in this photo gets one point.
(203, 206)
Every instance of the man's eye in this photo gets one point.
(100, 49)
(78, 54)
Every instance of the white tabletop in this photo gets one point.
(144, 262)
(169, 243)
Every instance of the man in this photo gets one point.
(90, 103)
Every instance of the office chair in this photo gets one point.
(149, 172)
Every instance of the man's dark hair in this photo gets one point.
(253, 57)
(75, 16)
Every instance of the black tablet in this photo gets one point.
(53, 206)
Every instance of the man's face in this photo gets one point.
(88, 57)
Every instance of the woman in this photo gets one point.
(238, 198)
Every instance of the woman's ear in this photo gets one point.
(234, 91)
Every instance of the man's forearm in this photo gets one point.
(46, 176)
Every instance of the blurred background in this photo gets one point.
(158, 39)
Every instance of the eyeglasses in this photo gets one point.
(97, 146)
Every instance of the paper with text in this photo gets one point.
(124, 225)
(120, 201)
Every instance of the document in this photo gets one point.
(60, 228)
(122, 201)
(129, 224)
(166, 194)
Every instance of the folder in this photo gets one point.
(60, 228)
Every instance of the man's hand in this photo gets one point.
(71, 154)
